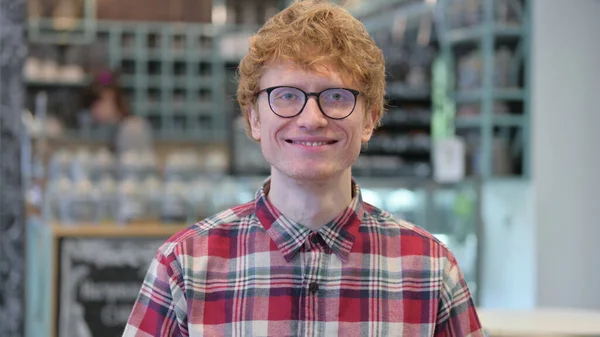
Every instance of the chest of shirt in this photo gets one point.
(259, 293)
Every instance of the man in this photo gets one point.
(307, 257)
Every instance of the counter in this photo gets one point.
(540, 322)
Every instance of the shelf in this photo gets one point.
(59, 83)
(408, 125)
(201, 109)
(508, 94)
(365, 8)
(80, 135)
(508, 120)
(465, 122)
(408, 152)
(51, 30)
(154, 55)
(476, 33)
(128, 80)
(393, 59)
(168, 71)
(382, 14)
(403, 91)
(177, 55)
(127, 53)
(115, 230)
(155, 82)
(197, 82)
(200, 135)
(149, 81)
(472, 96)
(402, 118)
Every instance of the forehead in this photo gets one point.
(321, 75)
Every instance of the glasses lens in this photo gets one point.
(286, 101)
(337, 103)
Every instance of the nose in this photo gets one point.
(311, 117)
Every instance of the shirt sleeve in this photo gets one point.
(457, 315)
(161, 308)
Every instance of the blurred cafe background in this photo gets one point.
(119, 127)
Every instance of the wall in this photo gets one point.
(566, 151)
(540, 238)
(508, 258)
(12, 227)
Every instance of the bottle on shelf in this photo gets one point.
(175, 201)
(81, 205)
(131, 201)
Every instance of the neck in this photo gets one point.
(310, 203)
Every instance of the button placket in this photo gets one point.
(317, 241)
(313, 303)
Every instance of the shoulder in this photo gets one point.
(194, 239)
(135, 123)
(412, 239)
(134, 134)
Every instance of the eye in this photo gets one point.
(335, 96)
(288, 96)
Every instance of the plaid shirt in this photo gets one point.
(250, 271)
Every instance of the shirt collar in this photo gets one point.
(289, 236)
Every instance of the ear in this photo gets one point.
(254, 122)
(369, 121)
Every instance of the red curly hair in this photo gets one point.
(332, 35)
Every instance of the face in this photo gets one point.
(105, 109)
(309, 146)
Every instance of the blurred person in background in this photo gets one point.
(108, 107)
(307, 257)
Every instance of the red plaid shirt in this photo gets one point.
(250, 271)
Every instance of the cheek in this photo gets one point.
(354, 129)
(98, 110)
(270, 127)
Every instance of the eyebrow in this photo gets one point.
(317, 89)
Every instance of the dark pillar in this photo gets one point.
(13, 50)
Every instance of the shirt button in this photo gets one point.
(313, 287)
(315, 239)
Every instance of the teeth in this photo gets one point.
(311, 143)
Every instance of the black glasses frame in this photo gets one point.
(306, 97)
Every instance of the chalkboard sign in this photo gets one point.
(100, 279)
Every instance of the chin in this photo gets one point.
(311, 175)
(310, 172)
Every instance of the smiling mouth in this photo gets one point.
(311, 143)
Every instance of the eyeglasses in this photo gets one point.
(288, 102)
